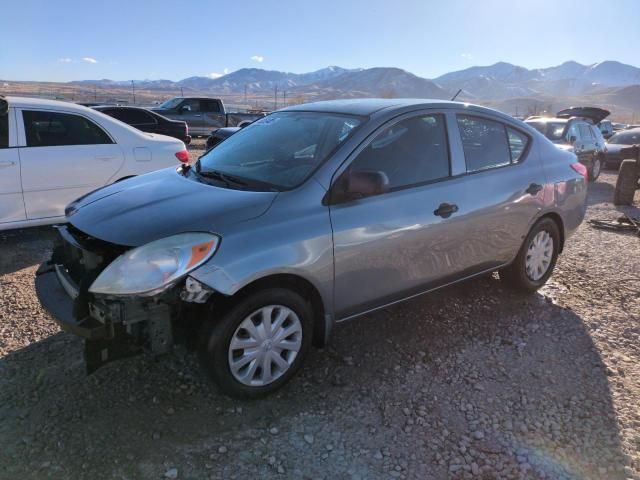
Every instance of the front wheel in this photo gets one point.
(259, 344)
(536, 259)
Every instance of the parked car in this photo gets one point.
(204, 114)
(148, 121)
(575, 130)
(620, 140)
(219, 135)
(53, 152)
(313, 215)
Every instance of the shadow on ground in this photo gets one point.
(474, 357)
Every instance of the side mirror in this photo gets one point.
(4, 106)
(360, 184)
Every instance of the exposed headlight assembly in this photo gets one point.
(153, 267)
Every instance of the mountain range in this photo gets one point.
(497, 82)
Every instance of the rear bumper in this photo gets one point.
(56, 300)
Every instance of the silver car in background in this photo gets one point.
(310, 216)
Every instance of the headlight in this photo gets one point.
(156, 265)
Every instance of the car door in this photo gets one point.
(11, 200)
(392, 245)
(63, 156)
(212, 116)
(191, 113)
(502, 189)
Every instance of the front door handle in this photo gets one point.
(7, 163)
(445, 210)
(533, 189)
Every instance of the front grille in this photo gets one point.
(82, 256)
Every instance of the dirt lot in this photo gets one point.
(474, 381)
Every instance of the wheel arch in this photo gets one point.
(322, 320)
(558, 221)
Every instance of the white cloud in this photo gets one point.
(258, 58)
(65, 60)
(466, 56)
(226, 70)
(89, 60)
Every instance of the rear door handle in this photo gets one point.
(445, 210)
(533, 189)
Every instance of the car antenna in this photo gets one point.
(457, 93)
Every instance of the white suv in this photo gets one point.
(53, 152)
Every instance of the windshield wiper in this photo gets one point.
(225, 178)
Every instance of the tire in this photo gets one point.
(594, 169)
(221, 361)
(516, 274)
(627, 183)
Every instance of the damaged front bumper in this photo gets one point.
(113, 327)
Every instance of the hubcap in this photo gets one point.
(539, 255)
(265, 345)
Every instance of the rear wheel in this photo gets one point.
(536, 259)
(627, 183)
(259, 344)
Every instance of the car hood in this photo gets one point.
(153, 206)
(614, 148)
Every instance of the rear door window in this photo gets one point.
(210, 106)
(131, 116)
(484, 142)
(50, 129)
(4, 131)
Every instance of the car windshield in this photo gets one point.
(552, 130)
(626, 138)
(280, 150)
(171, 103)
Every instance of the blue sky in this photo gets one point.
(71, 40)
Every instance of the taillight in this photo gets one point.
(183, 156)
(581, 169)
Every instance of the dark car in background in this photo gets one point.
(220, 135)
(148, 121)
(620, 140)
(204, 114)
(576, 130)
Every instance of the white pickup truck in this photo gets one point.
(53, 152)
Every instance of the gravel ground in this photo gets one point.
(474, 381)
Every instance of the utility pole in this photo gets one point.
(95, 94)
(181, 93)
(133, 88)
(275, 98)
(245, 93)
(284, 98)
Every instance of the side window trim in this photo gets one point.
(444, 113)
(22, 134)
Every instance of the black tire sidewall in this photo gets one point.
(216, 335)
(517, 271)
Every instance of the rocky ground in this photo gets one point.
(474, 381)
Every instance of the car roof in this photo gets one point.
(548, 119)
(369, 106)
(28, 102)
